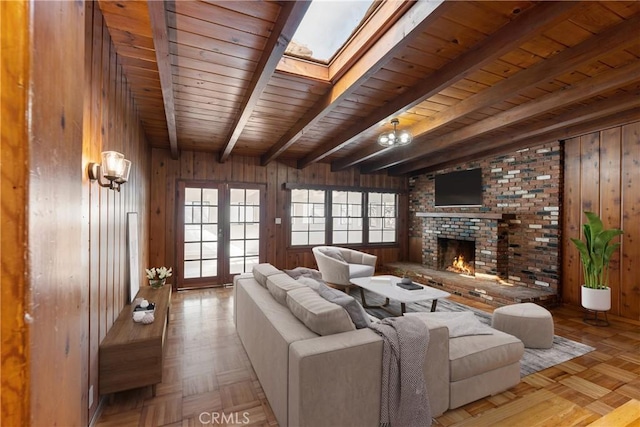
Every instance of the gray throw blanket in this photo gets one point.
(404, 401)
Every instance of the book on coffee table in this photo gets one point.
(409, 286)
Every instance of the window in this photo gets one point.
(326, 28)
(307, 217)
(346, 212)
(382, 217)
(320, 217)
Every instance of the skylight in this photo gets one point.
(326, 27)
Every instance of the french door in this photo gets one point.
(219, 229)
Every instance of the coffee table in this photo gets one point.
(386, 286)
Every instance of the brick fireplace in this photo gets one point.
(515, 231)
(488, 232)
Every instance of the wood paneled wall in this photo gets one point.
(204, 166)
(65, 77)
(111, 122)
(602, 174)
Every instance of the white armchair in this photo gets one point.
(339, 265)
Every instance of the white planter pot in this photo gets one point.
(596, 299)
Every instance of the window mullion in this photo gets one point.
(328, 216)
(365, 217)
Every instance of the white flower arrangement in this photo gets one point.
(162, 272)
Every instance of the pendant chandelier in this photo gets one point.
(394, 137)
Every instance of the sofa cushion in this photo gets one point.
(311, 283)
(262, 271)
(334, 253)
(318, 314)
(475, 354)
(361, 270)
(280, 284)
(299, 272)
(459, 323)
(356, 312)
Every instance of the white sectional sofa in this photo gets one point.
(335, 379)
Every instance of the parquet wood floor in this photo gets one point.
(207, 374)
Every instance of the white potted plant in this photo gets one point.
(595, 253)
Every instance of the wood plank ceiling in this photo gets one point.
(467, 78)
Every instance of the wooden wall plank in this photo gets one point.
(86, 200)
(272, 229)
(54, 216)
(571, 222)
(590, 164)
(110, 144)
(103, 220)
(118, 205)
(158, 217)
(94, 143)
(170, 231)
(14, 145)
(200, 166)
(281, 210)
(186, 165)
(610, 207)
(630, 285)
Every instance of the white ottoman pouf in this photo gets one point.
(529, 322)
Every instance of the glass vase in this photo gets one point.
(157, 283)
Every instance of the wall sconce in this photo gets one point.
(395, 137)
(115, 168)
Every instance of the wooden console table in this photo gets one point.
(131, 354)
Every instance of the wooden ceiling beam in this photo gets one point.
(409, 26)
(158, 17)
(568, 60)
(581, 91)
(558, 127)
(290, 16)
(510, 36)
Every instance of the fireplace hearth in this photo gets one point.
(457, 256)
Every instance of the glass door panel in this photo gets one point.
(244, 229)
(220, 231)
(200, 235)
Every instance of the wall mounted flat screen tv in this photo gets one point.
(460, 188)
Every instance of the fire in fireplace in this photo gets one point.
(457, 256)
(459, 265)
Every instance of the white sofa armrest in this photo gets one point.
(369, 259)
(336, 379)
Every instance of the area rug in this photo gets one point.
(534, 360)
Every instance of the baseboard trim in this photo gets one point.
(98, 412)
